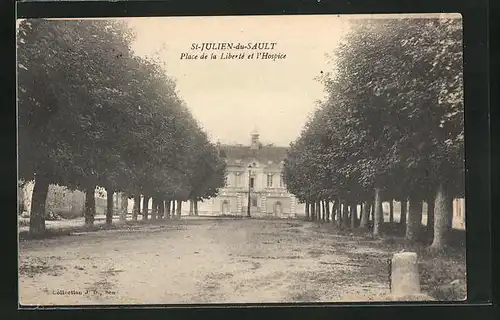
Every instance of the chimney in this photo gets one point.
(255, 144)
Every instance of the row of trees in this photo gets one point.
(391, 127)
(91, 113)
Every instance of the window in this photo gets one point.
(251, 182)
(282, 182)
(269, 180)
(237, 179)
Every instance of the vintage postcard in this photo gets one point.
(240, 159)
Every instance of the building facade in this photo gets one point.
(254, 180)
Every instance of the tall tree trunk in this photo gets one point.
(318, 210)
(154, 208)
(414, 223)
(353, 216)
(443, 213)
(430, 218)
(378, 216)
(191, 207)
(195, 207)
(313, 212)
(137, 207)
(404, 212)
(116, 203)
(307, 210)
(391, 211)
(89, 206)
(145, 207)
(323, 210)
(179, 208)
(167, 208)
(109, 206)
(173, 208)
(326, 204)
(319, 213)
(364, 215)
(38, 200)
(159, 205)
(124, 207)
(327, 210)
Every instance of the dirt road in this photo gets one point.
(202, 261)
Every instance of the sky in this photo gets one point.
(232, 98)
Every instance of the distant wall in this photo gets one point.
(60, 201)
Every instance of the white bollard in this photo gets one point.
(405, 278)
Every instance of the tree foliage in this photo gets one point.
(393, 117)
(91, 113)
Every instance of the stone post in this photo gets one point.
(405, 279)
(404, 274)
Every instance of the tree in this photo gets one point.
(61, 99)
(392, 121)
(103, 117)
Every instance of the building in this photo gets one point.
(254, 179)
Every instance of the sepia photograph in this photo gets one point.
(240, 160)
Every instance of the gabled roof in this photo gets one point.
(239, 154)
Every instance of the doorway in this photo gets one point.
(225, 207)
(278, 209)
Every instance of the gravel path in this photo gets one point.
(201, 261)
